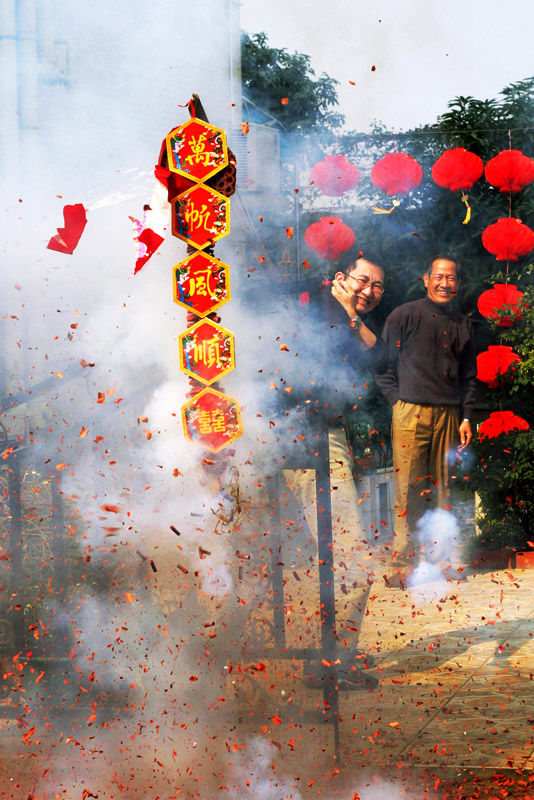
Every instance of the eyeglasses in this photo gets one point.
(363, 283)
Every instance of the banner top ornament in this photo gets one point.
(197, 150)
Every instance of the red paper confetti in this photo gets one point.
(67, 238)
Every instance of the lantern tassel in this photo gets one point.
(378, 210)
(465, 200)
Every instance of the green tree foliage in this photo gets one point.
(269, 75)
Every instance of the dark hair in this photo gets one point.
(350, 257)
(444, 257)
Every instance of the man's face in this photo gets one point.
(442, 282)
(368, 282)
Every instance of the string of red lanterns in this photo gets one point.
(507, 239)
(330, 237)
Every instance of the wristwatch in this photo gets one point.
(466, 419)
(356, 323)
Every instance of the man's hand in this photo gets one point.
(345, 295)
(465, 435)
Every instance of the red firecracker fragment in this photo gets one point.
(149, 233)
(67, 238)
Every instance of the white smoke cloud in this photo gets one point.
(255, 777)
(439, 538)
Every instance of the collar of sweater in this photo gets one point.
(437, 307)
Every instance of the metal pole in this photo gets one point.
(326, 580)
(16, 550)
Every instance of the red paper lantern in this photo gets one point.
(510, 171)
(493, 300)
(397, 173)
(457, 169)
(508, 239)
(335, 175)
(501, 422)
(494, 362)
(329, 238)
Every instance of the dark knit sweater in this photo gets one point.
(432, 357)
(325, 367)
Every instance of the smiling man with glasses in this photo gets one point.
(359, 290)
(331, 350)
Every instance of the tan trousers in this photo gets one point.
(424, 441)
(352, 564)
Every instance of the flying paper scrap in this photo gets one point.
(149, 232)
(67, 238)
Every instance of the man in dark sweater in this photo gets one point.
(430, 383)
(335, 344)
(321, 373)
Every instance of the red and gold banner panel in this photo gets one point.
(212, 419)
(197, 150)
(201, 283)
(200, 216)
(206, 351)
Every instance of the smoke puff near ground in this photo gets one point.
(438, 533)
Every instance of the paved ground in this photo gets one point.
(453, 715)
(455, 663)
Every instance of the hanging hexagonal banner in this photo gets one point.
(212, 419)
(197, 150)
(206, 351)
(201, 283)
(200, 216)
